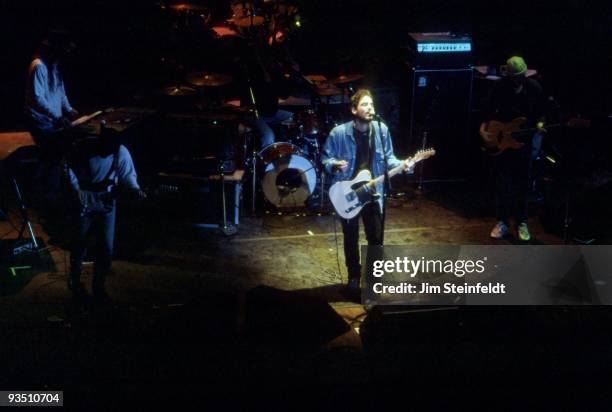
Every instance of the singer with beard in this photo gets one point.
(351, 147)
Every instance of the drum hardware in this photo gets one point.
(230, 229)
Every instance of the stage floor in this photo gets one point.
(267, 304)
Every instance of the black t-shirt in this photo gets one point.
(362, 160)
(506, 105)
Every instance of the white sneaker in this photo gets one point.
(499, 231)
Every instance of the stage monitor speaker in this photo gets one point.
(440, 109)
(475, 341)
(283, 317)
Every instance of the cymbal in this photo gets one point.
(316, 78)
(224, 31)
(187, 7)
(206, 79)
(347, 78)
(178, 91)
(294, 101)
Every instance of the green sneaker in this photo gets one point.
(523, 232)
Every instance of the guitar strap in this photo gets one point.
(372, 141)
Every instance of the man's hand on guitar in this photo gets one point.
(540, 127)
(140, 194)
(73, 115)
(486, 136)
(409, 165)
(340, 165)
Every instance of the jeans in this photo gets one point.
(372, 224)
(262, 125)
(101, 225)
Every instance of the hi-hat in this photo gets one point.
(178, 91)
(205, 79)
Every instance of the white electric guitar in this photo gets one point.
(350, 196)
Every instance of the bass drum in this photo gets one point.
(289, 178)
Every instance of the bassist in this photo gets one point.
(515, 96)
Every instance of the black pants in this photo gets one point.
(512, 171)
(372, 224)
(53, 148)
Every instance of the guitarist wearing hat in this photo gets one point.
(97, 167)
(515, 99)
(350, 148)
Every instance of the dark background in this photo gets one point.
(120, 44)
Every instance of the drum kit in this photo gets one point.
(288, 172)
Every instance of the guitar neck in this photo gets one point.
(391, 173)
(534, 129)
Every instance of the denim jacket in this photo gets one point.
(340, 145)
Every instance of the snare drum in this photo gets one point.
(289, 178)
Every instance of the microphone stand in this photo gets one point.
(253, 102)
(386, 183)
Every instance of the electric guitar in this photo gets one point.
(511, 135)
(350, 196)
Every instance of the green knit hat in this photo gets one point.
(516, 66)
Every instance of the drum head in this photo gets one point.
(277, 151)
(289, 181)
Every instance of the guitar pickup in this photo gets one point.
(351, 196)
(350, 209)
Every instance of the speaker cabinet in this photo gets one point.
(440, 109)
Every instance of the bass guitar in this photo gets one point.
(350, 196)
(511, 135)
